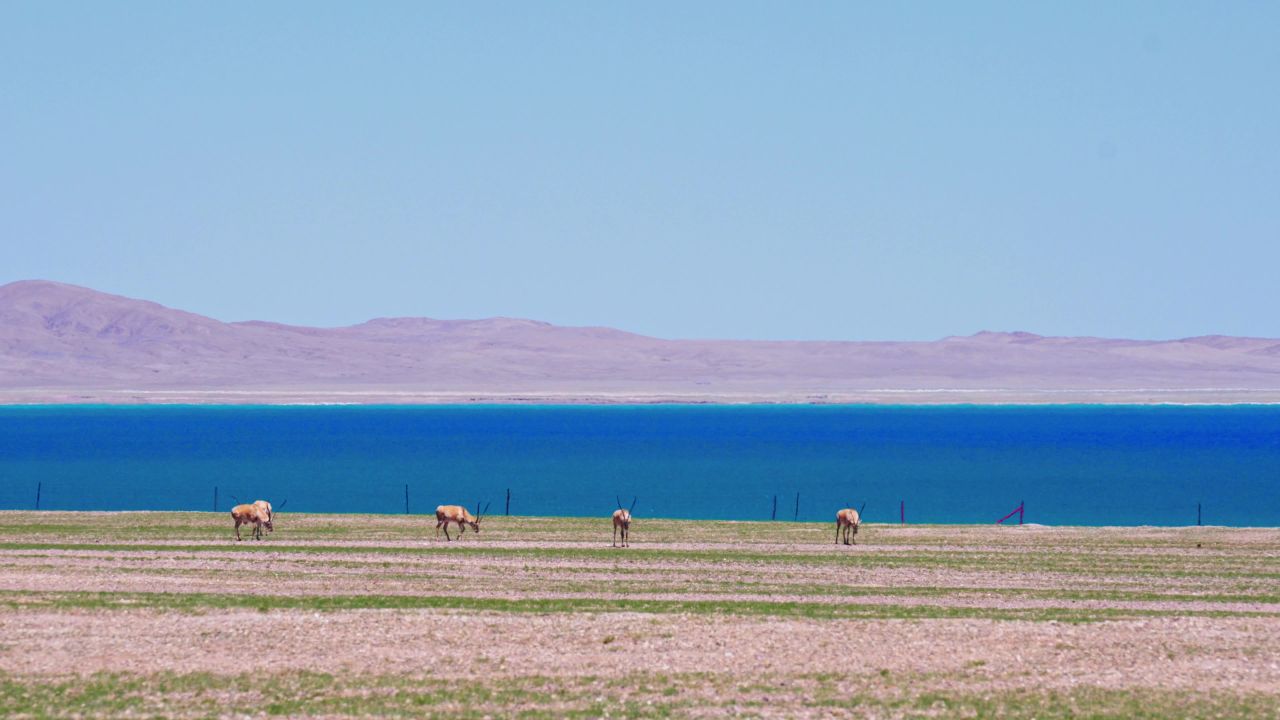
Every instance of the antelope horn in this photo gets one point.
(286, 502)
(864, 507)
(486, 507)
(633, 504)
(619, 500)
(234, 499)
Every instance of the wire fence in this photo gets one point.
(787, 506)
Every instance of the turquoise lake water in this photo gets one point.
(1090, 465)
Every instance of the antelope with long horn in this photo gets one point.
(457, 514)
(258, 513)
(251, 514)
(847, 521)
(622, 522)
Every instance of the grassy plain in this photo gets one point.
(164, 614)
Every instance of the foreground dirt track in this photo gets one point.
(140, 614)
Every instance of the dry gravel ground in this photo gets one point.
(164, 614)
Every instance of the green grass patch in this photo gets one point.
(636, 695)
(199, 602)
(1011, 563)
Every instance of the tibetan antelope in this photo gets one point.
(254, 515)
(446, 514)
(622, 521)
(848, 520)
(259, 514)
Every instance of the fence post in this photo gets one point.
(1198, 514)
(508, 501)
(774, 516)
(39, 486)
(215, 498)
(797, 515)
(1022, 508)
(406, 498)
(902, 511)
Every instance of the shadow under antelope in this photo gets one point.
(622, 522)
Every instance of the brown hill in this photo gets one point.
(57, 339)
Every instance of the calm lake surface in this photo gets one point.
(1089, 465)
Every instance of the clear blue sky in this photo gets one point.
(765, 170)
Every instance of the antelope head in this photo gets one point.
(474, 522)
(271, 515)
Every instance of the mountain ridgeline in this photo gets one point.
(56, 337)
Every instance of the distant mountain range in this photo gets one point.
(65, 343)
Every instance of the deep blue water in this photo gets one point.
(1093, 465)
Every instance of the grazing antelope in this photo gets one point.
(848, 520)
(622, 521)
(254, 515)
(446, 514)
